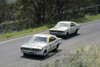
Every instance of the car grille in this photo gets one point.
(32, 49)
(55, 31)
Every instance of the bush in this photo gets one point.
(80, 58)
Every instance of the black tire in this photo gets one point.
(57, 47)
(25, 54)
(45, 53)
(67, 34)
(76, 32)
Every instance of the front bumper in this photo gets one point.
(58, 33)
(32, 52)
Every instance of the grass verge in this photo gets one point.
(39, 29)
(83, 57)
(87, 18)
(24, 32)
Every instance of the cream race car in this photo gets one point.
(64, 28)
(41, 44)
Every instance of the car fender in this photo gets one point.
(67, 31)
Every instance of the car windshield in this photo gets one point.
(62, 25)
(38, 39)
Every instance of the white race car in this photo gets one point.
(41, 44)
(64, 28)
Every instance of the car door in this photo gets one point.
(52, 41)
(72, 27)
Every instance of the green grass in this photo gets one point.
(87, 18)
(86, 57)
(24, 32)
(39, 29)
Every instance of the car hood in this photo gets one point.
(37, 45)
(59, 28)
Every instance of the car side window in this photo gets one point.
(52, 39)
(72, 24)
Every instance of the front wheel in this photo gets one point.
(66, 36)
(57, 47)
(76, 31)
(45, 53)
(25, 54)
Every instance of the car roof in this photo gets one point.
(69, 22)
(43, 35)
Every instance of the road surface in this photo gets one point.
(10, 55)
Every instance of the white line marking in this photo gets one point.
(14, 39)
(30, 35)
(17, 38)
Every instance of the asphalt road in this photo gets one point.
(10, 55)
